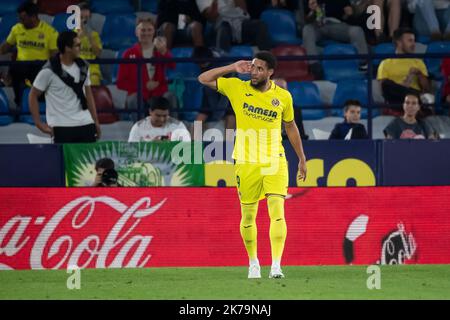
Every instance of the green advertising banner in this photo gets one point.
(142, 164)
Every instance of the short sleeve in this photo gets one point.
(422, 67)
(288, 112)
(11, 39)
(42, 80)
(227, 86)
(134, 134)
(52, 40)
(97, 40)
(382, 72)
(391, 129)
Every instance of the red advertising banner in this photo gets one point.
(53, 228)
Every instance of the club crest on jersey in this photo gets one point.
(41, 36)
(275, 102)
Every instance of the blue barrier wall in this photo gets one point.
(31, 166)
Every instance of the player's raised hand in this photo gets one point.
(243, 66)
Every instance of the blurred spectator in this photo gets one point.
(215, 106)
(327, 20)
(233, 25)
(297, 113)
(91, 44)
(432, 18)
(446, 73)
(350, 128)
(360, 16)
(180, 22)
(408, 126)
(100, 167)
(35, 40)
(402, 76)
(256, 7)
(153, 75)
(70, 107)
(159, 126)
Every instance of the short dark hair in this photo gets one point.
(398, 34)
(65, 39)
(159, 103)
(413, 94)
(268, 57)
(29, 7)
(104, 163)
(351, 102)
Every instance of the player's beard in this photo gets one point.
(259, 85)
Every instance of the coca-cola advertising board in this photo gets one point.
(56, 228)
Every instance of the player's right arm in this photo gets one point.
(209, 78)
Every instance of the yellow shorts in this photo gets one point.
(255, 180)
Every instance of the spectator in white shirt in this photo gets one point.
(159, 126)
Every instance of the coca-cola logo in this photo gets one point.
(52, 249)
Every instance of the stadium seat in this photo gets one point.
(60, 22)
(434, 65)
(306, 94)
(354, 90)
(104, 102)
(53, 8)
(292, 70)
(5, 117)
(9, 6)
(150, 6)
(6, 23)
(241, 51)
(115, 67)
(119, 31)
(192, 99)
(382, 48)
(281, 25)
(335, 70)
(27, 118)
(112, 6)
(183, 69)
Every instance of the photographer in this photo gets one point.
(106, 174)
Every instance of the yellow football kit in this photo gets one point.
(88, 54)
(33, 44)
(258, 151)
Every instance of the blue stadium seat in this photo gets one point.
(119, 31)
(115, 67)
(335, 70)
(111, 6)
(192, 99)
(351, 90)
(306, 94)
(183, 69)
(5, 119)
(6, 23)
(241, 51)
(382, 48)
(60, 22)
(281, 25)
(434, 65)
(150, 6)
(9, 6)
(27, 118)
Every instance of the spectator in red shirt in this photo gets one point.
(153, 75)
(446, 72)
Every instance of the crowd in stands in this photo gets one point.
(412, 89)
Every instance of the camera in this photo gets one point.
(109, 178)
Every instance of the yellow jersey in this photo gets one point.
(87, 53)
(397, 70)
(259, 117)
(33, 44)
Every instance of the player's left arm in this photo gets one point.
(296, 142)
(294, 136)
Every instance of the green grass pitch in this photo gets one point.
(337, 282)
